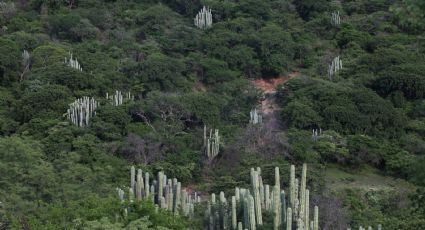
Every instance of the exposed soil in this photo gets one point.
(269, 87)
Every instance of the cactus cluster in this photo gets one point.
(203, 20)
(25, 58)
(166, 194)
(118, 98)
(334, 67)
(316, 134)
(255, 117)
(81, 111)
(211, 143)
(379, 227)
(73, 63)
(26, 61)
(247, 206)
(335, 19)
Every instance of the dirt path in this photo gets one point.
(269, 107)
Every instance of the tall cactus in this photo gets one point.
(139, 185)
(73, 63)
(118, 98)
(292, 187)
(234, 217)
(256, 192)
(302, 193)
(211, 143)
(203, 20)
(82, 110)
(316, 218)
(254, 201)
(307, 210)
(289, 220)
(276, 208)
(335, 19)
(334, 67)
(164, 193)
(255, 117)
(26, 61)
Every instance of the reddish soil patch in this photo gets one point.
(269, 85)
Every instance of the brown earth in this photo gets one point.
(269, 87)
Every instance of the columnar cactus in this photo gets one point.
(292, 187)
(118, 98)
(379, 227)
(289, 220)
(81, 110)
(256, 192)
(307, 210)
(335, 19)
(203, 20)
(258, 198)
(316, 134)
(255, 117)
(283, 207)
(302, 192)
(316, 218)
(334, 67)
(164, 193)
(276, 208)
(26, 61)
(234, 217)
(140, 186)
(25, 58)
(211, 143)
(73, 63)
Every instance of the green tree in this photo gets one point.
(9, 61)
(48, 101)
(28, 179)
(47, 55)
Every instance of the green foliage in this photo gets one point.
(162, 73)
(347, 35)
(343, 109)
(46, 55)
(111, 121)
(310, 8)
(45, 101)
(276, 50)
(55, 175)
(410, 15)
(9, 60)
(411, 86)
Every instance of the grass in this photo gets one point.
(366, 178)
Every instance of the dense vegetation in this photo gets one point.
(371, 114)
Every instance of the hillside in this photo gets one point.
(212, 93)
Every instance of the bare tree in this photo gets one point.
(267, 139)
(142, 150)
(333, 215)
